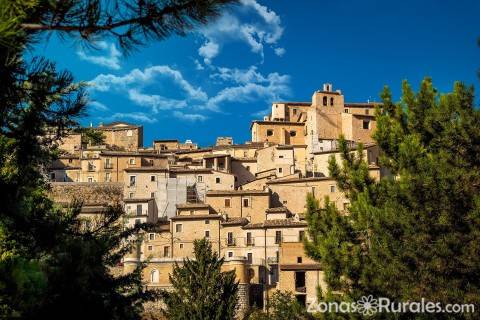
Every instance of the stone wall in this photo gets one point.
(89, 193)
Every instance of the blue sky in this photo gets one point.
(218, 79)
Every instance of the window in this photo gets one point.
(281, 157)
(178, 227)
(230, 240)
(248, 168)
(90, 179)
(278, 237)
(280, 170)
(70, 160)
(332, 188)
(139, 209)
(152, 178)
(150, 248)
(217, 180)
(230, 254)
(130, 195)
(366, 124)
(132, 161)
(269, 133)
(108, 176)
(293, 133)
(227, 203)
(249, 239)
(299, 259)
(299, 280)
(301, 235)
(345, 110)
(246, 202)
(166, 251)
(331, 102)
(207, 234)
(152, 194)
(52, 176)
(151, 236)
(200, 179)
(181, 245)
(244, 154)
(133, 181)
(294, 111)
(249, 257)
(325, 101)
(154, 276)
(207, 221)
(367, 111)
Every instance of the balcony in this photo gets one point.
(231, 242)
(250, 242)
(108, 166)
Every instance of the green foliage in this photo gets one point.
(200, 289)
(92, 137)
(414, 234)
(283, 306)
(49, 267)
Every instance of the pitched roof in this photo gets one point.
(235, 221)
(276, 223)
(236, 192)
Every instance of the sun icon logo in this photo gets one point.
(367, 306)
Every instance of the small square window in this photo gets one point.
(301, 235)
(230, 254)
(132, 161)
(227, 203)
(151, 236)
(246, 203)
(178, 228)
(299, 259)
(199, 179)
(280, 170)
(181, 245)
(281, 157)
(332, 189)
(207, 234)
(217, 180)
(130, 195)
(207, 221)
(152, 194)
(269, 133)
(152, 178)
(293, 133)
(150, 248)
(366, 124)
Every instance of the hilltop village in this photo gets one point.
(248, 199)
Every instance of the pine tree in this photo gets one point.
(414, 234)
(200, 289)
(49, 267)
(283, 306)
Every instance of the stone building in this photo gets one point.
(248, 199)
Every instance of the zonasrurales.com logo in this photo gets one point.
(367, 306)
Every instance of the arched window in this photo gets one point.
(154, 276)
(325, 101)
(331, 102)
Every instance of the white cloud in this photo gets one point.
(156, 102)
(106, 82)
(279, 51)
(98, 106)
(198, 65)
(208, 51)
(192, 117)
(237, 86)
(111, 60)
(254, 24)
(136, 116)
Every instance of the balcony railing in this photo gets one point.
(250, 242)
(231, 242)
(108, 166)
